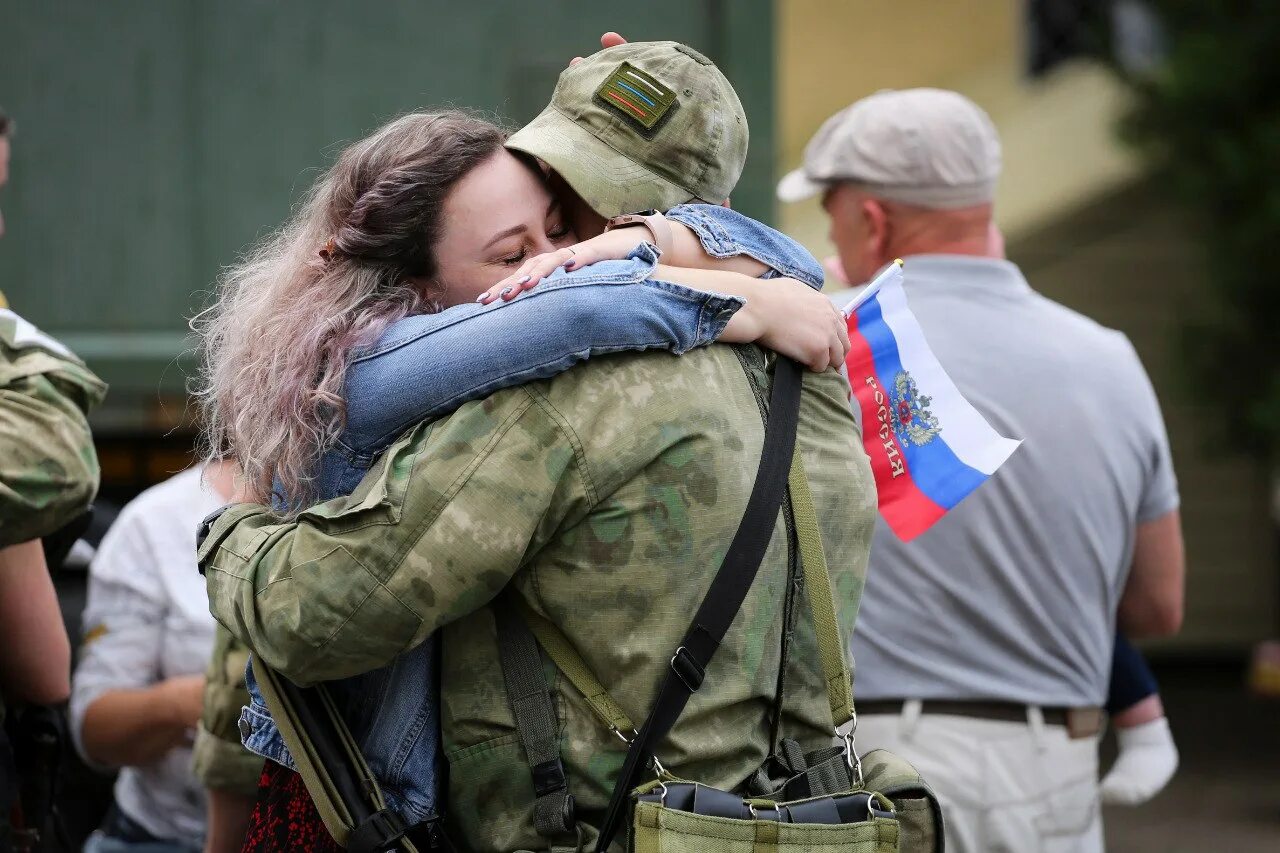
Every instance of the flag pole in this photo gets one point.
(892, 271)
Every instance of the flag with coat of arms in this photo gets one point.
(929, 447)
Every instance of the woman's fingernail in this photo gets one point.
(482, 297)
(524, 280)
(506, 291)
(569, 263)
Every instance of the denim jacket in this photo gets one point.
(426, 366)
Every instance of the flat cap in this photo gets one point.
(928, 147)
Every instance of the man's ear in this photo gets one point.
(876, 219)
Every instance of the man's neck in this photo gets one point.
(969, 231)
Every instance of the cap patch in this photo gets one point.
(637, 95)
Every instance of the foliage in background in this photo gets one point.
(1208, 117)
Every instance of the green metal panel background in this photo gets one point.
(156, 140)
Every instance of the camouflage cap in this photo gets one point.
(639, 126)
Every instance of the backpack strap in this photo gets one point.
(571, 664)
(817, 583)
(345, 792)
(536, 721)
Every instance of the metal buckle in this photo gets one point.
(689, 671)
(657, 765)
(851, 758)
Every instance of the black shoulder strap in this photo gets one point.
(724, 599)
(534, 712)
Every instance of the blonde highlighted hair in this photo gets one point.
(356, 255)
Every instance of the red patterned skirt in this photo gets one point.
(285, 816)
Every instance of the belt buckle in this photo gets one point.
(1083, 722)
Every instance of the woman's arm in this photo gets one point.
(35, 654)
(784, 315)
(427, 366)
(697, 236)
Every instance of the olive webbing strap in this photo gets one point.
(817, 581)
(570, 663)
(346, 794)
(724, 597)
(534, 712)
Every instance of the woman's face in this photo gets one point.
(499, 214)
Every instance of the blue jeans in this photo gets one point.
(426, 366)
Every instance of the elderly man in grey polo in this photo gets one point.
(984, 646)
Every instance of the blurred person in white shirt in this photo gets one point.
(137, 691)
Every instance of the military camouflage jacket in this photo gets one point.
(48, 467)
(605, 499)
(217, 758)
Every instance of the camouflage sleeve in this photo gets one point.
(219, 761)
(48, 466)
(433, 532)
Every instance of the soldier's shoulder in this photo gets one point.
(633, 379)
(20, 337)
(27, 352)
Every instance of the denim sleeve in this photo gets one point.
(725, 233)
(428, 365)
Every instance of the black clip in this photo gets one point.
(548, 777)
(377, 833)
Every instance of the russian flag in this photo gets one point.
(929, 447)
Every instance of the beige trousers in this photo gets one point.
(1005, 787)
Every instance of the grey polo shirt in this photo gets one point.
(1013, 594)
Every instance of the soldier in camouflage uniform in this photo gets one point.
(48, 476)
(606, 499)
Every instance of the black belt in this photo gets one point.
(1079, 722)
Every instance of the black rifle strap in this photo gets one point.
(315, 721)
(724, 598)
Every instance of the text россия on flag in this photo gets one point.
(929, 447)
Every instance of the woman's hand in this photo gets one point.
(612, 245)
(792, 319)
